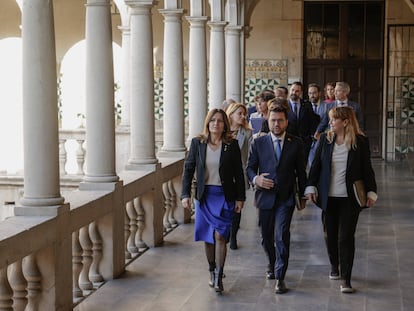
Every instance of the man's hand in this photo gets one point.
(317, 135)
(264, 182)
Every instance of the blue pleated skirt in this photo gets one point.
(213, 213)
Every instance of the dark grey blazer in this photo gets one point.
(358, 168)
(230, 170)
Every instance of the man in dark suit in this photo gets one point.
(342, 90)
(301, 117)
(319, 109)
(276, 162)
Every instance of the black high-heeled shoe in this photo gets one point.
(218, 282)
(212, 279)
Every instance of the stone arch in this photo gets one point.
(72, 83)
(11, 136)
(10, 19)
(249, 6)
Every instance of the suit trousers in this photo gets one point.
(339, 223)
(275, 227)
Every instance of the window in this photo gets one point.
(344, 30)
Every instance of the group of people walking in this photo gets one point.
(304, 151)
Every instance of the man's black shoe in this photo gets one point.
(280, 287)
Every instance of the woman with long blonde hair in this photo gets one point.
(341, 165)
(240, 129)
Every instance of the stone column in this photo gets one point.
(197, 75)
(233, 65)
(217, 78)
(142, 155)
(41, 148)
(40, 115)
(126, 47)
(173, 75)
(100, 118)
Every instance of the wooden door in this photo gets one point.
(352, 39)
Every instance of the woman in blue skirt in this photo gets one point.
(214, 160)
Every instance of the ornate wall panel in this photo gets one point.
(260, 74)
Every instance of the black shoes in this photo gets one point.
(218, 281)
(233, 244)
(270, 275)
(334, 274)
(280, 287)
(212, 279)
(270, 272)
(347, 289)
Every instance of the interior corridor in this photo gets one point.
(175, 277)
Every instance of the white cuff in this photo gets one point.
(311, 190)
(372, 195)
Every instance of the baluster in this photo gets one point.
(34, 287)
(132, 214)
(76, 264)
(6, 292)
(80, 156)
(86, 244)
(173, 202)
(141, 224)
(127, 234)
(97, 243)
(167, 206)
(19, 284)
(63, 157)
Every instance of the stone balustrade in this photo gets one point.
(53, 263)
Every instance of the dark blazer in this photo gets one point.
(323, 125)
(358, 167)
(291, 165)
(230, 170)
(304, 126)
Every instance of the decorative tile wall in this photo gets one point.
(403, 101)
(259, 74)
(263, 74)
(400, 92)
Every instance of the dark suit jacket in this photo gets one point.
(291, 165)
(230, 170)
(304, 126)
(358, 168)
(323, 125)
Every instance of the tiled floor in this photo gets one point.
(174, 277)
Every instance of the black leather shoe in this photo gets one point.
(280, 287)
(270, 275)
(233, 244)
